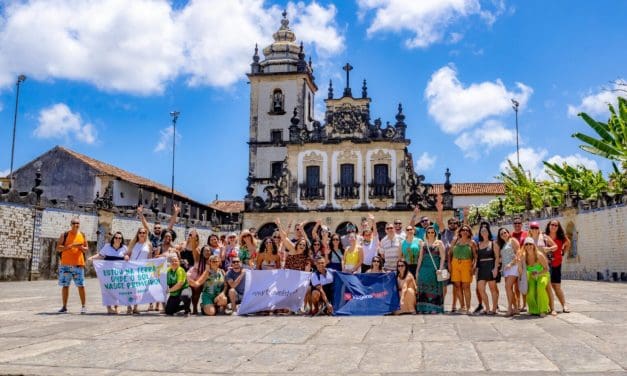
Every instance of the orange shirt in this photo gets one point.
(73, 256)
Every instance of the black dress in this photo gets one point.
(485, 263)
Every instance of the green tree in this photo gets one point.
(588, 183)
(612, 136)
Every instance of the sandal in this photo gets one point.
(565, 310)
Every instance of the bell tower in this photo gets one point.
(281, 87)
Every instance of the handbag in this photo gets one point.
(440, 274)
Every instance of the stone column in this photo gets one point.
(105, 226)
(36, 247)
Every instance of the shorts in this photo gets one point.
(206, 298)
(67, 273)
(461, 271)
(556, 274)
(511, 271)
(238, 297)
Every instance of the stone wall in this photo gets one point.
(17, 243)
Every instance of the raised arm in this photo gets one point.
(284, 239)
(314, 230)
(415, 216)
(439, 216)
(140, 212)
(176, 210)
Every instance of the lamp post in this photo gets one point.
(21, 78)
(175, 116)
(515, 107)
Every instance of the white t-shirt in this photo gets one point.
(321, 279)
(140, 251)
(370, 250)
(390, 251)
(109, 251)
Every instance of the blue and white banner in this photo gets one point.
(132, 282)
(274, 289)
(365, 294)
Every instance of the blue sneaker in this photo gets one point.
(62, 310)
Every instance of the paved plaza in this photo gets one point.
(35, 340)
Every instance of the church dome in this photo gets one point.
(283, 54)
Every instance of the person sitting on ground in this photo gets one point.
(178, 288)
(236, 280)
(114, 251)
(322, 288)
(406, 288)
(214, 287)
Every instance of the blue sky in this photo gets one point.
(104, 75)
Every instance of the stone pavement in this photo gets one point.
(592, 339)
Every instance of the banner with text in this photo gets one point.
(132, 282)
(365, 294)
(267, 290)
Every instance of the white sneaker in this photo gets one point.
(83, 310)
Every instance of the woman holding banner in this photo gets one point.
(178, 288)
(214, 287)
(406, 288)
(431, 259)
(114, 251)
(139, 249)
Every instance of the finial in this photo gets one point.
(256, 55)
(330, 96)
(400, 116)
(364, 90)
(284, 21)
(301, 47)
(447, 182)
(347, 89)
(310, 66)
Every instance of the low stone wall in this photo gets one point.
(18, 245)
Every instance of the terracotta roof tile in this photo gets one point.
(472, 189)
(227, 206)
(108, 169)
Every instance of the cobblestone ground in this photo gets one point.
(592, 339)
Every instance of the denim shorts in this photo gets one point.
(67, 273)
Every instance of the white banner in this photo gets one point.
(132, 282)
(274, 289)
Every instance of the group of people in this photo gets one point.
(424, 258)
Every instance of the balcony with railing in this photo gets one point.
(347, 191)
(312, 192)
(381, 190)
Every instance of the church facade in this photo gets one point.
(336, 169)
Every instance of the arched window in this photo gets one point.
(266, 230)
(278, 101)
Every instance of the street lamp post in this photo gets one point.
(175, 116)
(515, 107)
(21, 78)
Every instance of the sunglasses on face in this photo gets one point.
(517, 223)
(336, 240)
(553, 225)
(377, 261)
(430, 232)
(234, 262)
(142, 233)
(400, 266)
(75, 223)
(117, 238)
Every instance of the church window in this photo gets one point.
(347, 174)
(276, 168)
(276, 136)
(278, 100)
(313, 181)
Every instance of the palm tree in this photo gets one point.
(612, 141)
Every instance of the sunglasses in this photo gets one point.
(430, 232)
(518, 223)
(377, 261)
(400, 266)
(235, 262)
(142, 233)
(117, 238)
(397, 223)
(554, 225)
(335, 240)
(316, 244)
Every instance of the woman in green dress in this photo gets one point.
(537, 279)
(431, 259)
(214, 287)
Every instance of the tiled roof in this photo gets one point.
(108, 169)
(227, 206)
(472, 189)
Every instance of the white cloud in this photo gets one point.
(4, 173)
(140, 46)
(165, 139)
(596, 104)
(482, 140)
(531, 161)
(457, 107)
(425, 162)
(316, 25)
(58, 121)
(427, 20)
